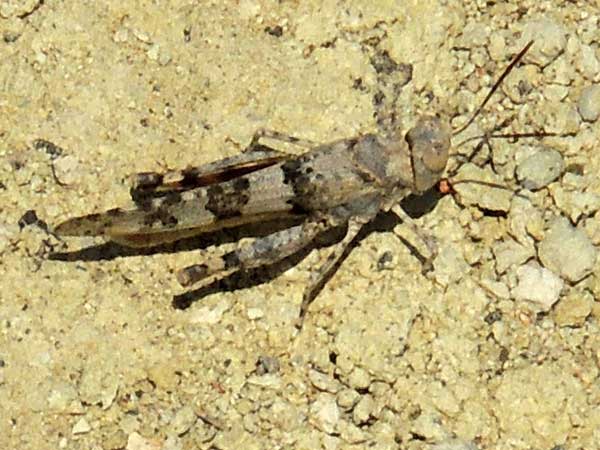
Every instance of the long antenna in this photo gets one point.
(508, 69)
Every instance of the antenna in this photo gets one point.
(497, 84)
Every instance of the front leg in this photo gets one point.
(428, 240)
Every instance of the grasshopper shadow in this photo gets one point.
(419, 205)
(415, 206)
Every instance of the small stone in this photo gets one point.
(510, 253)
(174, 442)
(350, 433)
(537, 285)
(561, 117)
(81, 427)
(497, 46)
(254, 313)
(518, 87)
(19, 8)
(573, 310)
(323, 382)
(568, 251)
(153, 52)
(540, 169)
(324, 413)
(9, 234)
(588, 64)
(184, 420)
(455, 444)
(449, 266)
(163, 375)
(592, 229)
(267, 364)
(121, 35)
(330, 442)
(430, 427)
(98, 386)
(138, 442)
(525, 221)
(550, 40)
(285, 415)
(574, 201)
(496, 288)
(210, 316)
(268, 380)
(589, 103)
(164, 58)
(62, 396)
(556, 93)
(347, 398)
(116, 440)
(67, 169)
(141, 36)
(363, 410)
(445, 401)
(359, 378)
(482, 195)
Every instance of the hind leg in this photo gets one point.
(263, 133)
(263, 251)
(148, 184)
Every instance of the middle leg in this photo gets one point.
(320, 276)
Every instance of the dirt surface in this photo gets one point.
(496, 348)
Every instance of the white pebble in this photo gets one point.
(537, 285)
(137, 442)
(210, 316)
(81, 427)
(540, 169)
(567, 250)
(589, 103)
(68, 169)
(550, 40)
(363, 410)
(255, 313)
(184, 420)
(325, 413)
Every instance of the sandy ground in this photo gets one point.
(497, 348)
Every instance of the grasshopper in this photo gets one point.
(344, 183)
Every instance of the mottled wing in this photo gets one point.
(157, 193)
(173, 215)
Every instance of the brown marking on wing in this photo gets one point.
(226, 200)
(151, 184)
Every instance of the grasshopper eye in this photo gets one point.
(435, 156)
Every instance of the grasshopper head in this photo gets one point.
(429, 144)
(415, 160)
